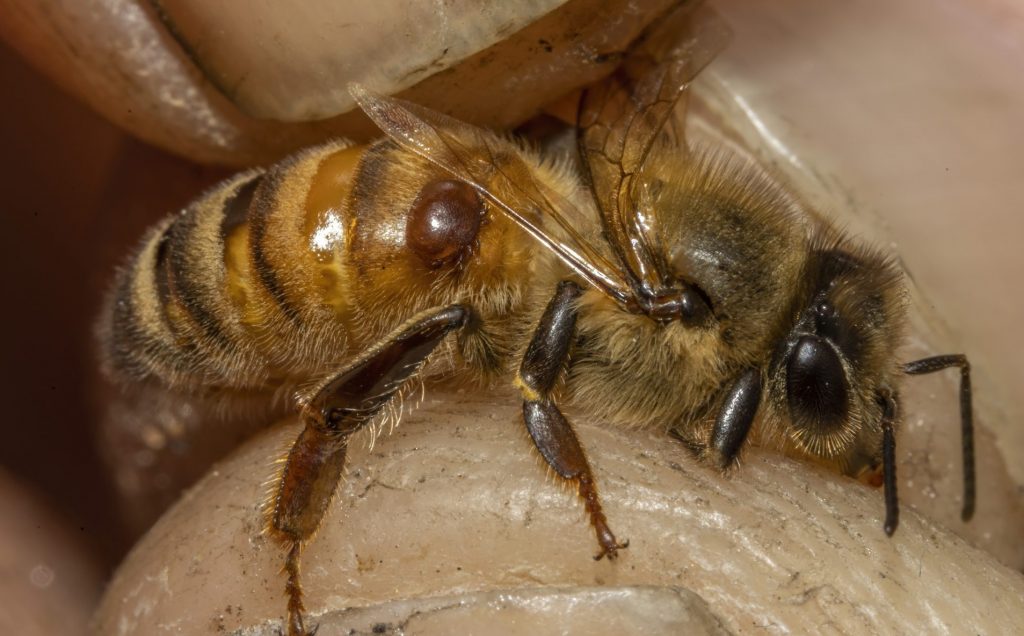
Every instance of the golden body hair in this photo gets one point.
(279, 276)
(656, 285)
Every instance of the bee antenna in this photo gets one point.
(938, 363)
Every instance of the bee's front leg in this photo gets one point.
(735, 419)
(552, 434)
(890, 408)
(343, 404)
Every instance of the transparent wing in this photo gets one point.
(636, 109)
(494, 167)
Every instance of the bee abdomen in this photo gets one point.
(287, 278)
(229, 293)
(272, 278)
(171, 318)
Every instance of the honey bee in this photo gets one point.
(667, 286)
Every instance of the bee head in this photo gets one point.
(839, 354)
(818, 382)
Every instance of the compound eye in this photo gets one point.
(816, 387)
(444, 221)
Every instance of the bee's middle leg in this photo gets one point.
(345, 403)
(551, 433)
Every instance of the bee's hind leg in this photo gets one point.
(552, 434)
(343, 404)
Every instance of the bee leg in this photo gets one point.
(343, 404)
(696, 447)
(938, 363)
(734, 420)
(892, 505)
(551, 433)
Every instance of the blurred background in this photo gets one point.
(78, 192)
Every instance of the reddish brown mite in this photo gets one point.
(444, 221)
(691, 292)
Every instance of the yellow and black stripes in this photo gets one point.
(275, 277)
(189, 281)
(216, 296)
(168, 318)
(236, 209)
(137, 337)
(262, 220)
(288, 310)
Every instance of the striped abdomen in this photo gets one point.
(243, 287)
(277, 275)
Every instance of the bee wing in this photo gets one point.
(624, 117)
(498, 172)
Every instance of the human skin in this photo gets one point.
(456, 502)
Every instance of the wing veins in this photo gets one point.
(408, 125)
(621, 121)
